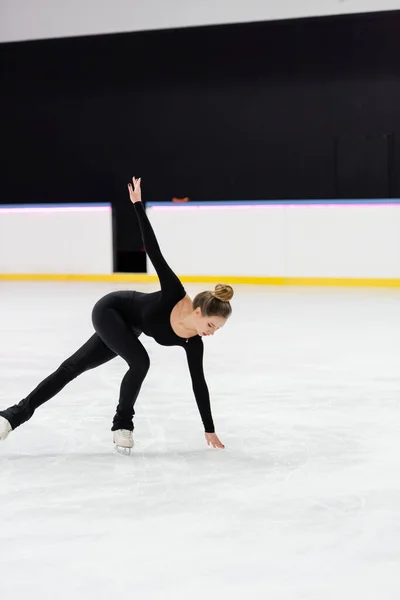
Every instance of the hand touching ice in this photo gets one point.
(213, 440)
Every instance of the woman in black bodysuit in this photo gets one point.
(169, 316)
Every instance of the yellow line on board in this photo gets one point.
(342, 282)
(145, 278)
(115, 277)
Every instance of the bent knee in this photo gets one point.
(147, 364)
(144, 366)
(141, 367)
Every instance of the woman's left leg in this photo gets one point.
(91, 355)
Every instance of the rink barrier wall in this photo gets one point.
(305, 242)
(283, 242)
(47, 239)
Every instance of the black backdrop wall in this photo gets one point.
(292, 109)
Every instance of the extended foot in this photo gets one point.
(123, 440)
(5, 428)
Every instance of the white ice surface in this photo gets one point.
(304, 502)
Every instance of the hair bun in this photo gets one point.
(223, 292)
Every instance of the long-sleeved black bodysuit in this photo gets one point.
(119, 318)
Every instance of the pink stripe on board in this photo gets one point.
(61, 209)
(257, 206)
(241, 207)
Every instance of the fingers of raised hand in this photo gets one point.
(131, 191)
(136, 182)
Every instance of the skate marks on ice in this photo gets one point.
(302, 503)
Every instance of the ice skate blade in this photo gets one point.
(123, 451)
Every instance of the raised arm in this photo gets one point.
(194, 352)
(168, 280)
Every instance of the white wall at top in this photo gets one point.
(40, 19)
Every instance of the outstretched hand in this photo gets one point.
(213, 440)
(135, 193)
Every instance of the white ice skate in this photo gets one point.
(123, 440)
(5, 428)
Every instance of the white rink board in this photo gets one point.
(57, 239)
(280, 239)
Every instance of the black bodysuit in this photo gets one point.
(119, 318)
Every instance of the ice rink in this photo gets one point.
(303, 503)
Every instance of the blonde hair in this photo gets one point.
(215, 303)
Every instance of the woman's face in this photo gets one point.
(207, 325)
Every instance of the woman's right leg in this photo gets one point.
(92, 354)
(122, 338)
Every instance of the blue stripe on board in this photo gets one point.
(214, 203)
(60, 205)
(274, 202)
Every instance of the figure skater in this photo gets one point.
(169, 316)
